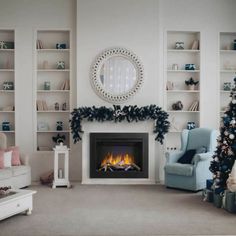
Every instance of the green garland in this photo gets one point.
(118, 114)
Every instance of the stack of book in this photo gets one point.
(41, 105)
(65, 85)
(194, 106)
(39, 44)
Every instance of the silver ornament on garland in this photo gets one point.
(231, 136)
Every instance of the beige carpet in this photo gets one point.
(92, 210)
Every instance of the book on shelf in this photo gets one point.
(195, 45)
(194, 106)
(41, 105)
(65, 85)
(39, 44)
(45, 106)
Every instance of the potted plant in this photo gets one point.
(191, 83)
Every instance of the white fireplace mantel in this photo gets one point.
(155, 163)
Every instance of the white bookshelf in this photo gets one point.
(227, 67)
(47, 56)
(7, 74)
(177, 76)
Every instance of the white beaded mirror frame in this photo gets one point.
(96, 75)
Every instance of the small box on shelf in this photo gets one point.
(230, 201)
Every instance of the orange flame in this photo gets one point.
(121, 159)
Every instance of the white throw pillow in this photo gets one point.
(7, 159)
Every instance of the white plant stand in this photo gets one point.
(61, 150)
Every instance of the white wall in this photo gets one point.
(138, 25)
(209, 17)
(25, 16)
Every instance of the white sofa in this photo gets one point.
(15, 176)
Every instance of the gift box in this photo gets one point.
(217, 200)
(207, 195)
(209, 183)
(230, 201)
(219, 190)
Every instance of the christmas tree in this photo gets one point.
(225, 154)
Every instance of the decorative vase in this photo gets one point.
(191, 87)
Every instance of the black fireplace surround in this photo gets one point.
(110, 146)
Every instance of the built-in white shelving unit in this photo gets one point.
(227, 67)
(7, 76)
(53, 96)
(176, 73)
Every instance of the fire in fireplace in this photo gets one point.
(118, 155)
(124, 162)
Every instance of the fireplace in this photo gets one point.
(118, 155)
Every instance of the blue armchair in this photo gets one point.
(191, 176)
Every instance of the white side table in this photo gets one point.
(61, 150)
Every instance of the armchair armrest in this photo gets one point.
(202, 157)
(24, 159)
(172, 157)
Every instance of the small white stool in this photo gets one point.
(61, 149)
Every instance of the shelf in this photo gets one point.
(7, 111)
(183, 71)
(6, 70)
(54, 131)
(228, 51)
(170, 111)
(53, 70)
(57, 78)
(7, 91)
(7, 50)
(182, 91)
(183, 50)
(224, 91)
(228, 71)
(53, 50)
(52, 111)
(11, 131)
(53, 91)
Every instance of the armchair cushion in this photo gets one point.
(179, 169)
(187, 157)
(202, 157)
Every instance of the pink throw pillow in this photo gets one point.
(1, 159)
(15, 160)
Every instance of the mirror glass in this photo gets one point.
(118, 75)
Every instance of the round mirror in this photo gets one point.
(117, 74)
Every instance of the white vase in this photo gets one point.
(191, 87)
